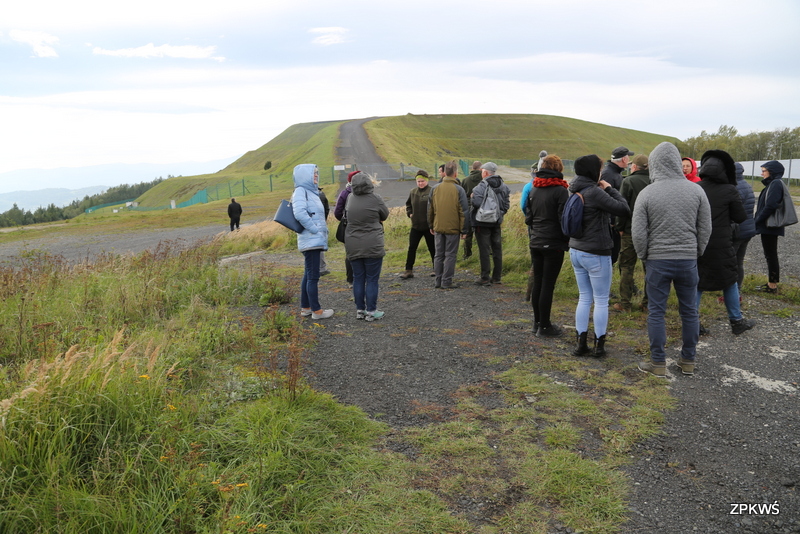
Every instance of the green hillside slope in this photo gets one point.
(422, 138)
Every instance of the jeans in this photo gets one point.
(414, 237)
(546, 267)
(366, 272)
(731, 296)
(444, 262)
(490, 241)
(593, 274)
(770, 244)
(309, 293)
(683, 275)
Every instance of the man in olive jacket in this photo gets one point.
(448, 218)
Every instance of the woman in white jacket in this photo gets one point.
(313, 240)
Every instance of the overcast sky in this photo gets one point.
(91, 82)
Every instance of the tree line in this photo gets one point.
(781, 143)
(19, 217)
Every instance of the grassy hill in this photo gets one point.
(422, 138)
(416, 139)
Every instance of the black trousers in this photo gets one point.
(546, 266)
(414, 237)
(770, 244)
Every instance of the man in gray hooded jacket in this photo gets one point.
(670, 230)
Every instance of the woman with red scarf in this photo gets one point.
(690, 169)
(543, 215)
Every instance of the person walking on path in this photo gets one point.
(547, 242)
(591, 253)
(417, 211)
(489, 235)
(769, 200)
(469, 183)
(632, 185)
(448, 217)
(313, 240)
(670, 229)
(717, 267)
(747, 228)
(234, 213)
(365, 212)
(338, 213)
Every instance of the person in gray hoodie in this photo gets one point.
(670, 230)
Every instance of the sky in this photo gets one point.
(92, 82)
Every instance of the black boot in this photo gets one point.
(742, 325)
(599, 346)
(582, 349)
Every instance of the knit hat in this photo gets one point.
(350, 176)
(589, 166)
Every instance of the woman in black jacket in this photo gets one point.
(591, 253)
(545, 205)
(769, 200)
(718, 267)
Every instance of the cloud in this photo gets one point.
(329, 35)
(40, 42)
(150, 50)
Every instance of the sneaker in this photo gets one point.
(656, 369)
(620, 307)
(374, 315)
(305, 312)
(325, 272)
(497, 281)
(360, 314)
(766, 289)
(704, 331)
(483, 282)
(742, 325)
(451, 286)
(687, 366)
(433, 274)
(324, 315)
(406, 275)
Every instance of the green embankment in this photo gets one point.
(423, 138)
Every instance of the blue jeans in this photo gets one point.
(309, 293)
(593, 274)
(660, 275)
(366, 272)
(731, 297)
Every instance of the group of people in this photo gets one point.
(689, 226)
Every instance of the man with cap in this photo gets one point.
(631, 187)
(488, 234)
(612, 172)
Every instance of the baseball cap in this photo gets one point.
(489, 166)
(621, 152)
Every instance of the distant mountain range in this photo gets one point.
(31, 188)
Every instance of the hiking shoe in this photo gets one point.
(704, 331)
(433, 273)
(305, 312)
(360, 314)
(549, 331)
(742, 325)
(497, 281)
(406, 275)
(656, 369)
(325, 272)
(324, 315)
(451, 286)
(687, 366)
(373, 315)
(621, 307)
(766, 289)
(483, 282)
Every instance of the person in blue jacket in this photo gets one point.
(313, 240)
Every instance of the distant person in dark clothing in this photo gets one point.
(235, 213)
(747, 229)
(769, 200)
(474, 178)
(417, 211)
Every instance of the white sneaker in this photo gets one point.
(324, 315)
(305, 312)
(373, 315)
(360, 314)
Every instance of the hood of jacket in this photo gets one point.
(494, 181)
(664, 163)
(775, 169)
(718, 166)
(739, 171)
(362, 184)
(303, 176)
(693, 163)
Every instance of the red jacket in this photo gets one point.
(692, 176)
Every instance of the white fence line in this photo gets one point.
(792, 166)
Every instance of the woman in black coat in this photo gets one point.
(769, 200)
(718, 267)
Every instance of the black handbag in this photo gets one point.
(340, 230)
(785, 214)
